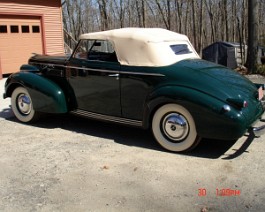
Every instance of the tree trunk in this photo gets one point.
(179, 9)
(252, 36)
(194, 19)
(201, 29)
(144, 13)
(226, 21)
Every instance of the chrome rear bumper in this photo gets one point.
(259, 128)
(258, 131)
(263, 103)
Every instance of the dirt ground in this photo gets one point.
(67, 163)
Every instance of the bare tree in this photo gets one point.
(203, 21)
(103, 14)
(164, 10)
(209, 9)
(179, 8)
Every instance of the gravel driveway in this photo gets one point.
(67, 163)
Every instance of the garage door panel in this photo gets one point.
(16, 48)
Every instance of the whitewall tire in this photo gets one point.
(174, 128)
(22, 105)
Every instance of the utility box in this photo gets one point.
(228, 54)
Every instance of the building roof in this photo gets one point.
(145, 46)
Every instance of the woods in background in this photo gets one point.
(203, 21)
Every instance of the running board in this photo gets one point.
(97, 116)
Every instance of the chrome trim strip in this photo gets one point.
(107, 118)
(92, 69)
(142, 73)
(101, 70)
(47, 64)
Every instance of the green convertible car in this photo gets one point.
(143, 77)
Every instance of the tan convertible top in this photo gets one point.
(144, 46)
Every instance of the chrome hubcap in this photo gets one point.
(24, 104)
(175, 126)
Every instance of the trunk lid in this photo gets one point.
(224, 84)
(230, 83)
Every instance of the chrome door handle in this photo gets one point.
(113, 75)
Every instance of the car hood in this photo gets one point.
(49, 59)
(218, 81)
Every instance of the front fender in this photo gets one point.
(210, 118)
(29, 68)
(46, 95)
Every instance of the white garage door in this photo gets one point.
(20, 36)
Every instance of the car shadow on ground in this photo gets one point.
(130, 136)
(6, 113)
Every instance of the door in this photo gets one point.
(231, 57)
(20, 36)
(94, 77)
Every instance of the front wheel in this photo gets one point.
(174, 128)
(22, 105)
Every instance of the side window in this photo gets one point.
(94, 50)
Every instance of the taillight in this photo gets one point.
(240, 103)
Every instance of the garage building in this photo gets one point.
(26, 27)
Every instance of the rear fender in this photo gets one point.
(46, 95)
(183, 95)
(207, 111)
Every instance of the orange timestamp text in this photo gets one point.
(220, 192)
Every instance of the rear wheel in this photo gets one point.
(174, 128)
(22, 105)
